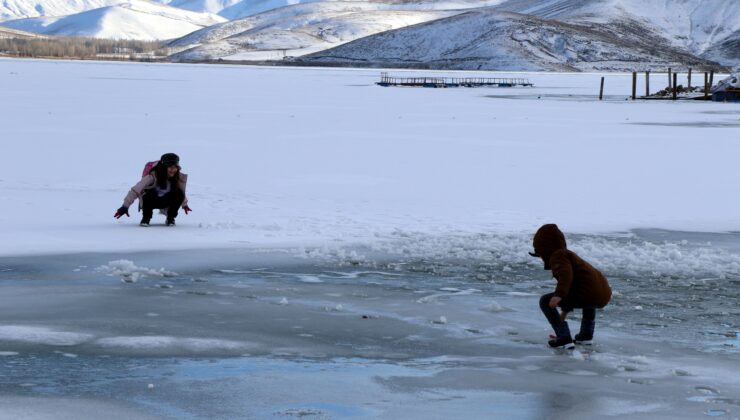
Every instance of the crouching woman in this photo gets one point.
(163, 187)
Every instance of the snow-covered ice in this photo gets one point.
(302, 157)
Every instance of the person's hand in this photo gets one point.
(187, 209)
(121, 211)
(564, 314)
(554, 301)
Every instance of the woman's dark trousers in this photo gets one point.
(588, 320)
(170, 201)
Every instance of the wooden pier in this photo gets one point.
(450, 82)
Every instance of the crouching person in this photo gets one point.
(579, 285)
(162, 187)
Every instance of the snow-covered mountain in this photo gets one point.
(131, 19)
(489, 39)
(596, 33)
(625, 31)
(20, 9)
(697, 25)
(298, 30)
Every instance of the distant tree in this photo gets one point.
(84, 48)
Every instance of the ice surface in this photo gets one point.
(41, 335)
(145, 343)
(363, 342)
(129, 272)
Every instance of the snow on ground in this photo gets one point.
(323, 157)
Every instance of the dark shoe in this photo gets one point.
(144, 223)
(584, 340)
(562, 343)
(170, 222)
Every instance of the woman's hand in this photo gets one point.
(121, 211)
(554, 301)
(187, 209)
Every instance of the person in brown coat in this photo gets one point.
(580, 285)
(163, 187)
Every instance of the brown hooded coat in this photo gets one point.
(579, 283)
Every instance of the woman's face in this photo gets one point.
(171, 170)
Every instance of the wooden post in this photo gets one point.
(675, 88)
(634, 85)
(601, 90)
(647, 83)
(689, 79)
(669, 77)
(706, 85)
(711, 78)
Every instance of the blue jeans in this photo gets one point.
(588, 321)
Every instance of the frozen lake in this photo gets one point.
(357, 251)
(280, 334)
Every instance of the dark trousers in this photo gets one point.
(588, 321)
(170, 201)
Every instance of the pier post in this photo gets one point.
(634, 85)
(601, 90)
(647, 83)
(675, 88)
(706, 86)
(689, 79)
(669, 77)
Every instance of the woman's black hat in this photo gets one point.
(169, 159)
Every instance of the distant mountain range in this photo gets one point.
(130, 19)
(491, 39)
(456, 34)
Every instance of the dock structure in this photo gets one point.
(450, 82)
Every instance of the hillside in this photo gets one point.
(695, 25)
(492, 40)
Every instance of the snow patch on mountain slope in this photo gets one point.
(133, 19)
